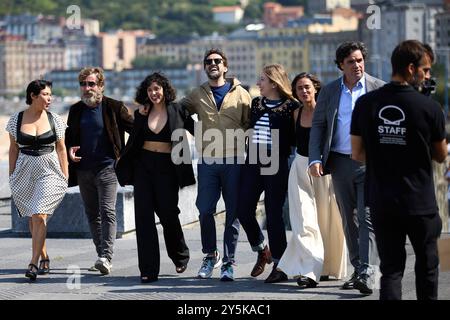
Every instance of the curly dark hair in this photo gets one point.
(216, 51)
(346, 48)
(35, 87)
(168, 90)
(316, 83)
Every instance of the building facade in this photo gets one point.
(322, 53)
(322, 6)
(398, 21)
(228, 15)
(276, 15)
(34, 28)
(45, 57)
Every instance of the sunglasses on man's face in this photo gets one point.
(210, 61)
(87, 83)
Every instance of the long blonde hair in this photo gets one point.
(277, 74)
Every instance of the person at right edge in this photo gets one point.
(397, 131)
(329, 151)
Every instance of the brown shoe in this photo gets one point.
(264, 257)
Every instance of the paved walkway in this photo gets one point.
(70, 279)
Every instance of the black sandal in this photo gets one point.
(31, 273)
(44, 266)
(305, 282)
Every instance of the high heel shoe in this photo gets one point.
(31, 272)
(44, 266)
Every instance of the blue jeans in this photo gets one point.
(212, 180)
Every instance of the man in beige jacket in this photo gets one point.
(223, 108)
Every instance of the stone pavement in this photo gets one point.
(70, 279)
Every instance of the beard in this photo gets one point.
(415, 82)
(92, 98)
(213, 75)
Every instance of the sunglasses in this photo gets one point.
(87, 83)
(210, 61)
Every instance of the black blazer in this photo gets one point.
(178, 118)
(116, 119)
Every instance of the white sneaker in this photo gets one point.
(103, 265)
(208, 265)
(94, 268)
(226, 272)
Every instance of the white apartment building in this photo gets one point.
(228, 14)
(43, 58)
(321, 6)
(399, 21)
(13, 64)
(35, 28)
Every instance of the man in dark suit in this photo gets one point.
(330, 151)
(94, 139)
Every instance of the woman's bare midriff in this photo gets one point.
(156, 146)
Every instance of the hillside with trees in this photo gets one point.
(169, 18)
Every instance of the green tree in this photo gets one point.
(31, 6)
(167, 18)
(219, 3)
(293, 3)
(438, 72)
(254, 11)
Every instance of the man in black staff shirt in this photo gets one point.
(397, 131)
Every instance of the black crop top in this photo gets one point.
(302, 137)
(35, 142)
(163, 136)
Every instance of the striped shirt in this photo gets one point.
(261, 133)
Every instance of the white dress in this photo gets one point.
(317, 246)
(37, 183)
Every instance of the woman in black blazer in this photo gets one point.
(158, 166)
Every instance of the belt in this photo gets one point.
(341, 155)
(37, 152)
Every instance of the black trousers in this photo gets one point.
(391, 228)
(253, 183)
(156, 191)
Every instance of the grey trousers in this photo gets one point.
(348, 180)
(99, 193)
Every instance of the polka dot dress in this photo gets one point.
(37, 183)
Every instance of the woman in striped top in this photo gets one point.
(269, 146)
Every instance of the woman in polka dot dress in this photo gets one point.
(38, 167)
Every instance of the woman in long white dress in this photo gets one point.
(317, 247)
